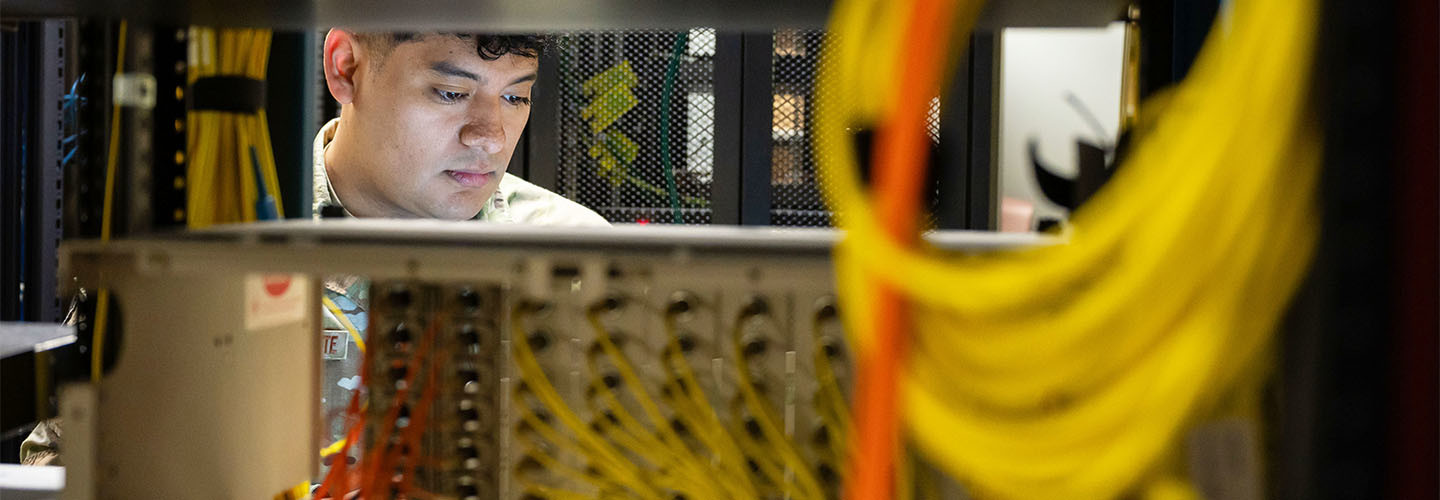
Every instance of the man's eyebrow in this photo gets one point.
(445, 68)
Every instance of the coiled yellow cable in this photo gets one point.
(1069, 371)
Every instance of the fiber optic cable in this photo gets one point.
(707, 422)
(541, 388)
(1037, 367)
(668, 439)
(831, 398)
(102, 302)
(760, 410)
(605, 465)
(631, 380)
(231, 171)
(354, 332)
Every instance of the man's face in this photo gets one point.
(434, 126)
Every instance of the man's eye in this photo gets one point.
(517, 100)
(448, 96)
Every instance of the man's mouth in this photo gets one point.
(470, 178)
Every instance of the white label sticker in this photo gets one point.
(133, 89)
(274, 299)
(333, 343)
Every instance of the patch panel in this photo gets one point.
(605, 383)
(622, 363)
(432, 395)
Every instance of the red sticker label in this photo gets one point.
(275, 299)
(276, 284)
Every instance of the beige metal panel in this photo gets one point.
(196, 406)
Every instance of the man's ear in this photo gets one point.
(341, 49)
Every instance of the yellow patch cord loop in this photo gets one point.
(1030, 367)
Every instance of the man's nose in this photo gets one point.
(484, 132)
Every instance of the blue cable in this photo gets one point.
(264, 203)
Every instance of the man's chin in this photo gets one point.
(457, 209)
(455, 215)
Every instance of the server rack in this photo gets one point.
(1356, 144)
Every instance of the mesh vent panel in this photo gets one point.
(611, 120)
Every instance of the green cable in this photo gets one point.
(676, 53)
(693, 201)
(568, 87)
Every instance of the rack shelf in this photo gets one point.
(531, 15)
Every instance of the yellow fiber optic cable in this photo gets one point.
(621, 471)
(542, 389)
(768, 466)
(102, 302)
(333, 448)
(700, 414)
(668, 440)
(552, 492)
(683, 474)
(344, 321)
(550, 435)
(764, 415)
(550, 464)
(631, 435)
(831, 398)
(231, 159)
(667, 437)
(1068, 371)
(622, 448)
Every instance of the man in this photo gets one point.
(427, 126)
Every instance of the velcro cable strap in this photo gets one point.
(234, 94)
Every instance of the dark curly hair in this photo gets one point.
(489, 46)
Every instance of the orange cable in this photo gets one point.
(411, 437)
(899, 171)
(374, 479)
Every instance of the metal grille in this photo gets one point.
(795, 182)
(612, 122)
(795, 198)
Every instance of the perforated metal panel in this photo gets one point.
(795, 198)
(615, 112)
(612, 123)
